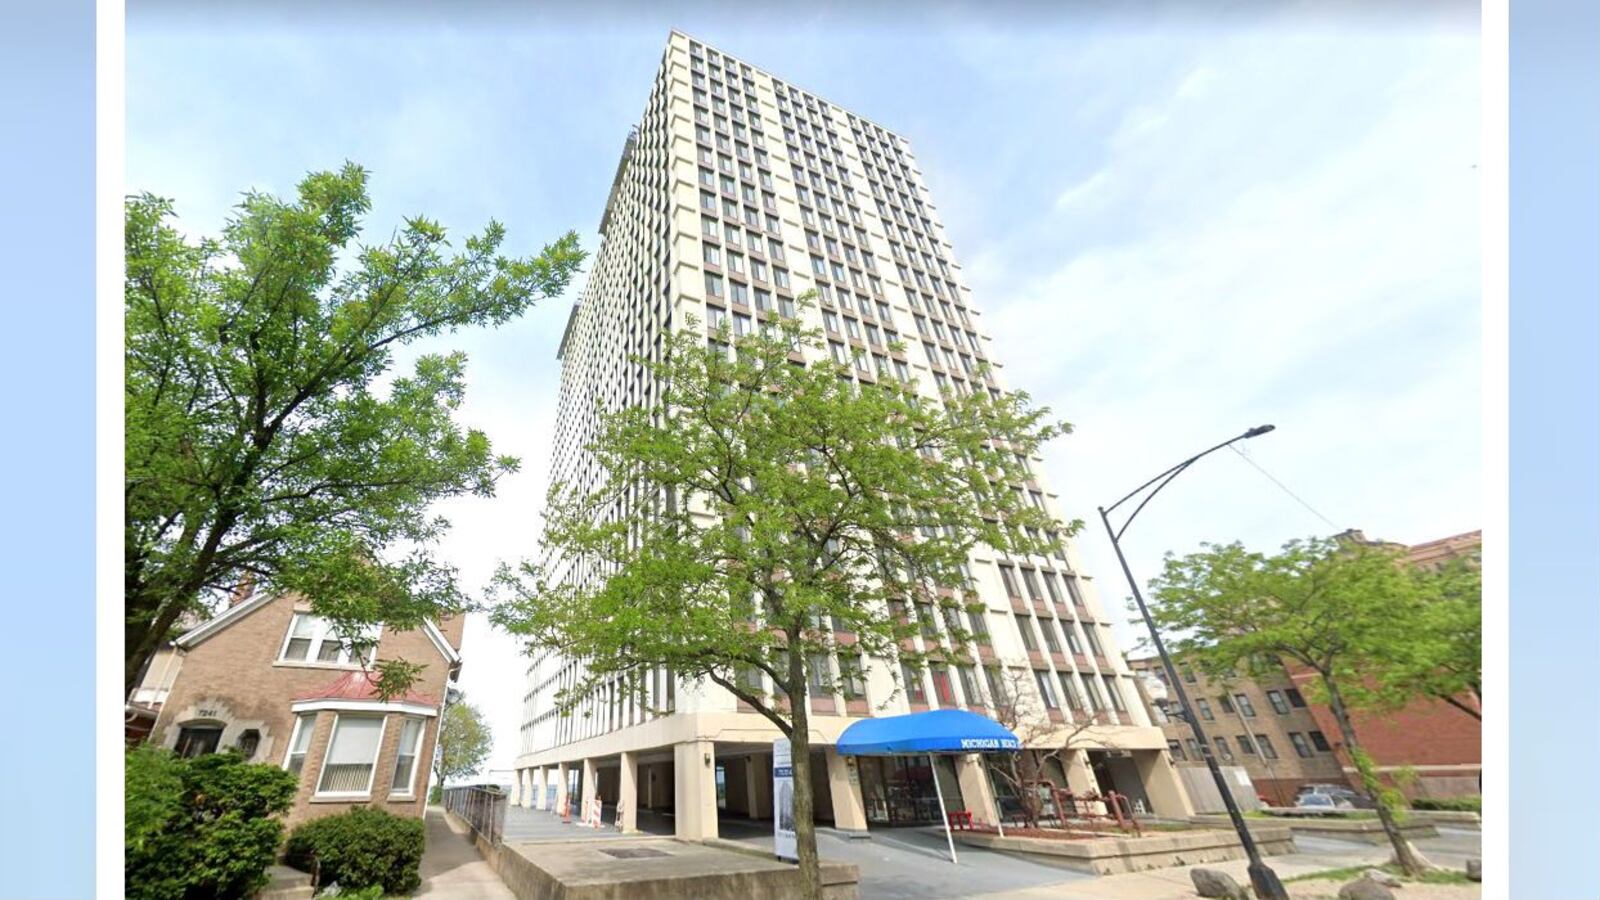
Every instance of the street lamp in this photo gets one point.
(1262, 878)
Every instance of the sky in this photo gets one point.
(1176, 224)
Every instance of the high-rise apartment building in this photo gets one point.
(738, 192)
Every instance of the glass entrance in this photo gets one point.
(898, 790)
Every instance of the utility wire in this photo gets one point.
(1285, 488)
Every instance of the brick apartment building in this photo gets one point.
(1266, 725)
(268, 678)
(1263, 725)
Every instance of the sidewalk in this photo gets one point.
(451, 867)
(1175, 884)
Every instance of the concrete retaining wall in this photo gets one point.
(1159, 850)
(1367, 831)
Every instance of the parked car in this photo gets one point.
(1330, 796)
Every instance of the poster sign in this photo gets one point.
(783, 844)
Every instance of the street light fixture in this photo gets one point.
(1262, 878)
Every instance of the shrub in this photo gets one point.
(203, 827)
(360, 849)
(1449, 804)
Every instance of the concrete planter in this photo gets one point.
(1447, 817)
(1160, 850)
(1367, 831)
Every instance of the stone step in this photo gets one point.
(285, 883)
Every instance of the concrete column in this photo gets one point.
(561, 789)
(1162, 785)
(1080, 778)
(694, 790)
(516, 788)
(590, 788)
(844, 789)
(628, 794)
(536, 784)
(977, 790)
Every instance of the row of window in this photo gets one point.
(350, 761)
(1282, 702)
(1305, 746)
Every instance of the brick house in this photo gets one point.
(268, 678)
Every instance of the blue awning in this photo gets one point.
(935, 731)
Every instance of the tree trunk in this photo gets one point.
(1403, 855)
(805, 830)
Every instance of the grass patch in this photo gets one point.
(1350, 873)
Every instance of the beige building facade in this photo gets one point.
(268, 678)
(1262, 724)
(737, 193)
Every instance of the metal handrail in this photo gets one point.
(483, 809)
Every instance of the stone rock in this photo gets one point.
(1212, 883)
(1381, 877)
(1475, 869)
(1365, 889)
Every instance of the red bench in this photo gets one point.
(961, 820)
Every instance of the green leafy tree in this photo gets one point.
(1338, 610)
(464, 742)
(766, 506)
(1444, 658)
(261, 447)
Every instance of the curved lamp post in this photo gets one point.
(1262, 878)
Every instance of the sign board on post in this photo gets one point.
(783, 843)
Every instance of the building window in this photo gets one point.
(1245, 746)
(1295, 700)
(915, 692)
(1225, 703)
(312, 639)
(980, 627)
(997, 688)
(1194, 748)
(1320, 741)
(1176, 749)
(300, 742)
(1114, 694)
(1074, 702)
(1302, 747)
(942, 687)
(248, 743)
(352, 755)
(1265, 744)
(1009, 576)
(1093, 695)
(1042, 679)
(1094, 641)
(1279, 705)
(1204, 709)
(1222, 747)
(197, 740)
(1025, 626)
(1244, 705)
(1188, 674)
(1031, 578)
(854, 686)
(969, 685)
(405, 761)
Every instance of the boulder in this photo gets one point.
(1475, 869)
(1365, 889)
(1212, 883)
(1381, 877)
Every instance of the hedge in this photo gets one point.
(1449, 804)
(360, 849)
(203, 827)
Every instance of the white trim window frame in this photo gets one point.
(333, 743)
(408, 789)
(305, 726)
(318, 633)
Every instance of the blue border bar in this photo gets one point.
(47, 175)
(1555, 446)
